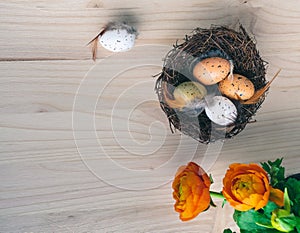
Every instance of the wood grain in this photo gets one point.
(85, 146)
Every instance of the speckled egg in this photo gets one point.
(118, 37)
(221, 111)
(211, 70)
(239, 88)
(189, 91)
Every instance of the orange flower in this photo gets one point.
(246, 186)
(191, 191)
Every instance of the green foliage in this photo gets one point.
(212, 203)
(276, 172)
(293, 188)
(283, 219)
(298, 225)
(224, 202)
(211, 179)
(256, 221)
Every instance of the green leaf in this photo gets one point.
(211, 179)
(276, 172)
(264, 222)
(256, 221)
(269, 208)
(287, 201)
(212, 203)
(246, 220)
(289, 220)
(283, 221)
(293, 188)
(277, 162)
(298, 224)
(224, 202)
(266, 167)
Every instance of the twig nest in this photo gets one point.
(227, 65)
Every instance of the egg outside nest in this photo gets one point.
(232, 45)
(114, 37)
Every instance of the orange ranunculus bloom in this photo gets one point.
(191, 191)
(246, 186)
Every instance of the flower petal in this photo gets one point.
(276, 195)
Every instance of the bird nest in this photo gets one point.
(234, 45)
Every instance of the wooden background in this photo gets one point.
(85, 146)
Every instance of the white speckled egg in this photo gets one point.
(189, 91)
(118, 37)
(221, 111)
(240, 88)
(211, 70)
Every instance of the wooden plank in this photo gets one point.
(41, 30)
(65, 119)
(38, 139)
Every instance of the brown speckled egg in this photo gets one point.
(211, 70)
(238, 88)
(189, 91)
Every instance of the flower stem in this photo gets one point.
(216, 194)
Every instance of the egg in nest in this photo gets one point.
(188, 97)
(221, 111)
(238, 88)
(212, 70)
(189, 91)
